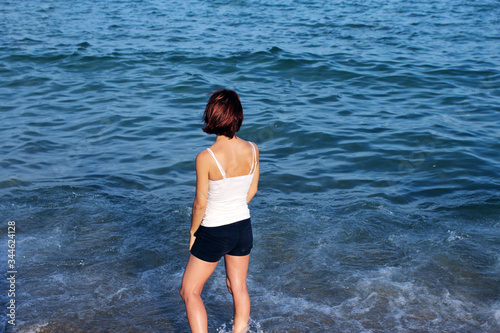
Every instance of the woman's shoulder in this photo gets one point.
(251, 147)
(203, 155)
(250, 144)
(254, 146)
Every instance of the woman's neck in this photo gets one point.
(223, 138)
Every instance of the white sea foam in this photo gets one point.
(454, 235)
(496, 313)
(36, 328)
(379, 302)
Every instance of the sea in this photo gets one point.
(378, 124)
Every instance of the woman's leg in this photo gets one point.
(196, 274)
(236, 273)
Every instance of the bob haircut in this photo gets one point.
(223, 113)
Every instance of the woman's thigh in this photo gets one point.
(196, 274)
(236, 271)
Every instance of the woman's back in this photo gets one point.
(228, 189)
(235, 156)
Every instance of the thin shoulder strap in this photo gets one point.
(254, 156)
(218, 165)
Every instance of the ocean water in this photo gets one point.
(378, 124)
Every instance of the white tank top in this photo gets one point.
(227, 197)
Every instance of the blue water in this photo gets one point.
(378, 125)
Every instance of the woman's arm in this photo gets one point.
(200, 199)
(255, 183)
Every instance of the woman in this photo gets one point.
(227, 175)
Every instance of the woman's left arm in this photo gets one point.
(200, 199)
(255, 183)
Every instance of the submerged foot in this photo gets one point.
(244, 330)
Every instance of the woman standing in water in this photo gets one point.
(227, 175)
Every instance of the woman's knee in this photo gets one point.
(185, 294)
(237, 288)
(228, 283)
(182, 293)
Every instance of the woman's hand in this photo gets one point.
(192, 238)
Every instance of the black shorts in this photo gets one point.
(212, 243)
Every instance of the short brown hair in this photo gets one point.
(223, 113)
